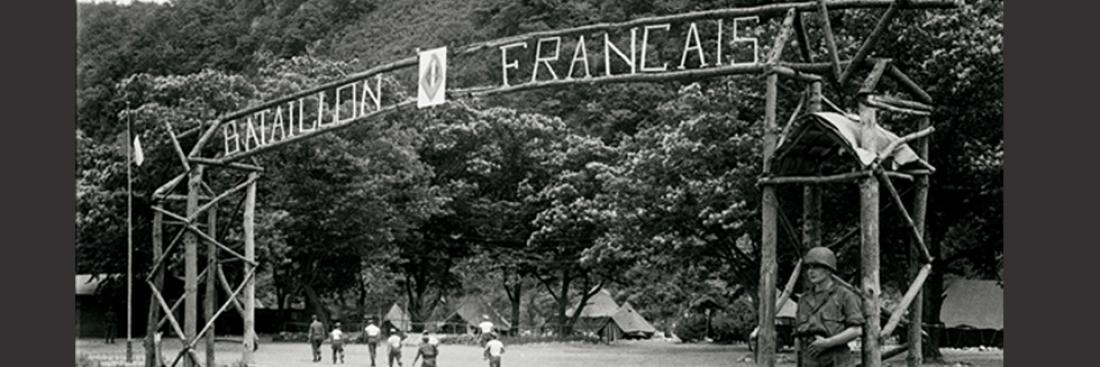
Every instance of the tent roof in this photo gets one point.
(789, 309)
(600, 305)
(816, 138)
(972, 303)
(473, 309)
(398, 317)
(630, 321)
(86, 286)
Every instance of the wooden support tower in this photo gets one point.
(191, 264)
(869, 256)
(250, 255)
(920, 207)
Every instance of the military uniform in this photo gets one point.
(316, 338)
(827, 312)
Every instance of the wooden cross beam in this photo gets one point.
(870, 41)
(204, 236)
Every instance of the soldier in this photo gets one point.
(112, 321)
(337, 343)
(316, 337)
(493, 350)
(829, 314)
(374, 336)
(394, 343)
(428, 350)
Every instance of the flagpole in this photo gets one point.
(129, 233)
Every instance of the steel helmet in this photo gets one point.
(821, 256)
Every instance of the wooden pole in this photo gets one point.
(768, 275)
(800, 37)
(211, 283)
(869, 42)
(830, 42)
(906, 300)
(869, 241)
(920, 207)
(151, 354)
(129, 235)
(811, 194)
(250, 255)
(191, 263)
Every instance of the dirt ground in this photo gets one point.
(626, 353)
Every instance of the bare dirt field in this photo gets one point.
(626, 353)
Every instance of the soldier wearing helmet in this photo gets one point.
(829, 314)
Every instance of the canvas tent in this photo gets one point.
(91, 311)
(396, 318)
(973, 314)
(470, 312)
(597, 312)
(627, 324)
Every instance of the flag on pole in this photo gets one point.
(139, 156)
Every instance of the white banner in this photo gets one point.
(432, 80)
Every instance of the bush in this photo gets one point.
(727, 329)
(692, 328)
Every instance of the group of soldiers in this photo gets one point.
(427, 351)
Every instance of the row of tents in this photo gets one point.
(972, 313)
(600, 316)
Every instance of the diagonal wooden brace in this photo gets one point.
(781, 41)
(198, 211)
(872, 80)
(232, 297)
(830, 41)
(165, 254)
(170, 185)
(179, 301)
(800, 37)
(229, 290)
(176, 146)
(869, 43)
(870, 100)
(904, 213)
(789, 287)
(889, 151)
(894, 73)
(175, 325)
(205, 237)
(910, 294)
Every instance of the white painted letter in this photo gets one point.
(579, 50)
(693, 34)
(607, 47)
(277, 125)
(336, 114)
(250, 135)
(320, 109)
(718, 54)
(504, 65)
(263, 126)
(234, 137)
(546, 60)
(374, 96)
(645, 45)
(755, 53)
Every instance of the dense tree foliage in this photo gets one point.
(535, 200)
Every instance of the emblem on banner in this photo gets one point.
(432, 84)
